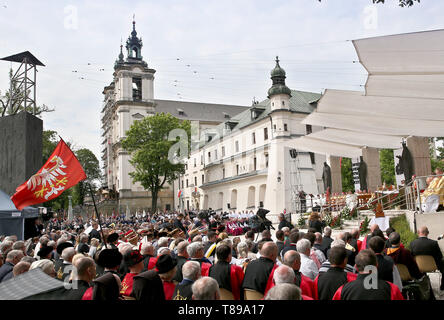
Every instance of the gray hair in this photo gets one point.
(242, 249)
(285, 229)
(147, 248)
(163, 242)
(125, 248)
(191, 270)
(13, 254)
(18, 245)
(84, 237)
(290, 257)
(182, 247)
(284, 291)
(95, 242)
(327, 231)
(68, 253)
(51, 244)
(205, 288)
(303, 245)
(162, 251)
(6, 245)
(44, 240)
(193, 248)
(283, 274)
(46, 265)
(337, 243)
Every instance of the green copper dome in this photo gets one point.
(278, 77)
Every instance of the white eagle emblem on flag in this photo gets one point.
(50, 179)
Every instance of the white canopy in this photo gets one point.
(404, 65)
(360, 139)
(377, 125)
(326, 147)
(355, 102)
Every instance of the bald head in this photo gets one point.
(318, 238)
(292, 259)
(283, 274)
(147, 249)
(269, 250)
(423, 231)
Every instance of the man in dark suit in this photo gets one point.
(191, 272)
(94, 232)
(179, 225)
(182, 258)
(428, 247)
(13, 257)
(385, 264)
(258, 271)
(326, 240)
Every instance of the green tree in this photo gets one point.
(15, 105)
(387, 163)
(347, 175)
(147, 142)
(90, 164)
(436, 154)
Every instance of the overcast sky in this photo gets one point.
(204, 51)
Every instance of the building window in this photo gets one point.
(265, 133)
(195, 181)
(223, 151)
(237, 146)
(253, 137)
(274, 127)
(215, 154)
(283, 103)
(266, 160)
(187, 183)
(203, 179)
(209, 156)
(285, 127)
(255, 164)
(201, 159)
(182, 184)
(186, 166)
(137, 88)
(237, 169)
(223, 173)
(308, 129)
(195, 162)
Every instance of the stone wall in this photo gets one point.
(20, 149)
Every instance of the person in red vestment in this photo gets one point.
(166, 269)
(292, 259)
(134, 260)
(368, 289)
(228, 276)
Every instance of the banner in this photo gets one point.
(59, 173)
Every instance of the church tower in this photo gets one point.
(279, 94)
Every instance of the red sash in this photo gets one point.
(127, 284)
(168, 289)
(236, 279)
(395, 292)
(270, 283)
(88, 294)
(152, 263)
(359, 245)
(205, 268)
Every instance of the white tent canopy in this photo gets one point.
(326, 147)
(355, 102)
(404, 65)
(377, 125)
(360, 139)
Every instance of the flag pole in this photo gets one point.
(97, 213)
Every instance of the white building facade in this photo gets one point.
(245, 163)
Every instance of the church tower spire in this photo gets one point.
(134, 45)
(279, 94)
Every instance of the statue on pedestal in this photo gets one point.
(326, 176)
(362, 169)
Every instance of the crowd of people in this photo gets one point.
(175, 257)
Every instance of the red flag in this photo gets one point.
(59, 173)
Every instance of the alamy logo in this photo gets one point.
(371, 280)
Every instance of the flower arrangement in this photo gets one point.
(363, 228)
(346, 213)
(327, 218)
(336, 222)
(301, 221)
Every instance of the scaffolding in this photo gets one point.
(296, 186)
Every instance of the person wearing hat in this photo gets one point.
(58, 264)
(106, 288)
(45, 252)
(134, 260)
(178, 223)
(166, 269)
(110, 260)
(148, 287)
(112, 240)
